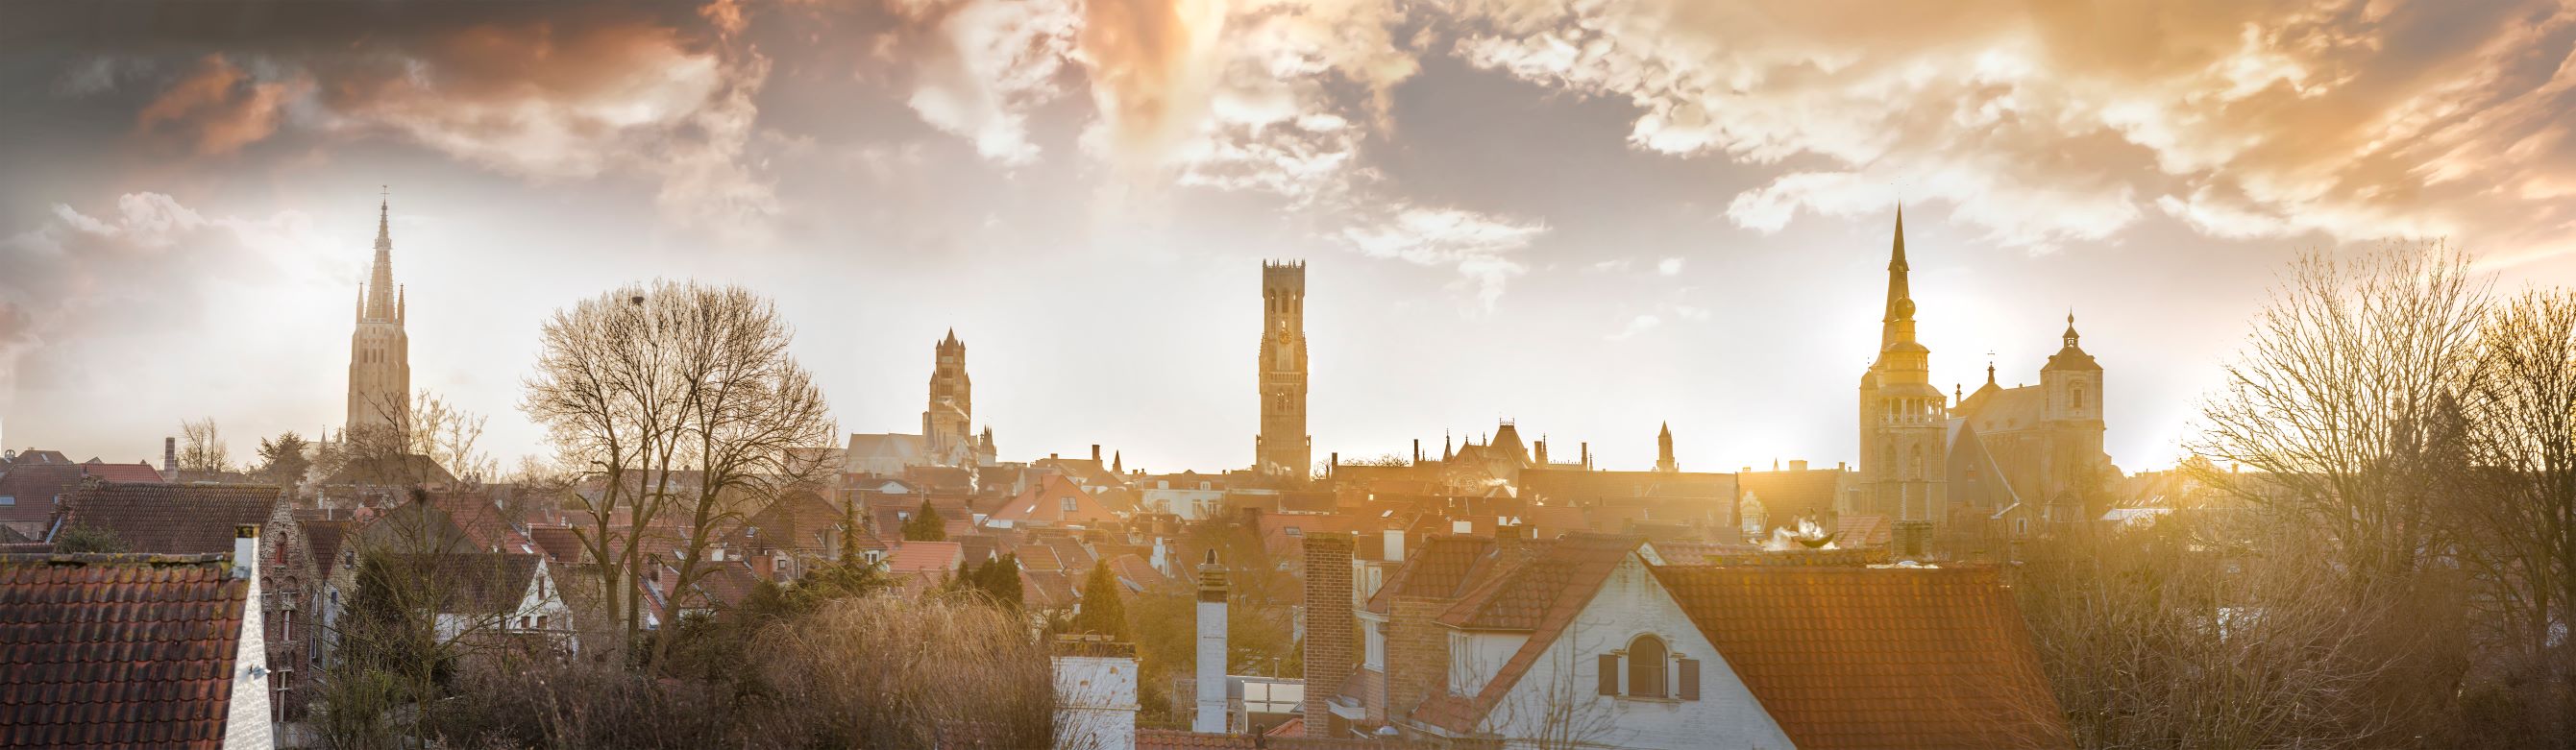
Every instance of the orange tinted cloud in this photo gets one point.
(216, 109)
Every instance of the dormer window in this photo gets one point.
(1068, 505)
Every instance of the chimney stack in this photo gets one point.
(1329, 626)
(1095, 453)
(1211, 717)
(170, 459)
(1798, 464)
(1417, 450)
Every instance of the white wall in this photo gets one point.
(1726, 716)
(1095, 703)
(246, 719)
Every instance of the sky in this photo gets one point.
(1589, 217)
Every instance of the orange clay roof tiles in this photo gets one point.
(105, 651)
(1850, 658)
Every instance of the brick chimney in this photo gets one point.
(170, 459)
(1211, 648)
(1329, 625)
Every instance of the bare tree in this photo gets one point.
(2205, 630)
(201, 447)
(2517, 508)
(2344, 399)
(750, 414)
(448, 435)
(674, 398)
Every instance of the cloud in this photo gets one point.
(214, 110)
(1480, 246)
(1637, 325)
(981, 65)
(1668, 267)
(81, 287)
(2053, 122)
(577, 94)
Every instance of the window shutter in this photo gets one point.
(1690, 679)
(1609, 674)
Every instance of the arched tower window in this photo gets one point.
(1646, 667)
(2078, 392)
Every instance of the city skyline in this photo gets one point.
(194, 212)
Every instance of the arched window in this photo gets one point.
(2079, 397)
(1646, 667)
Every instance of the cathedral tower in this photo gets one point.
(1283, 449)
(947, 424)
(1664, 451)
(1903, 461)
(379, 351)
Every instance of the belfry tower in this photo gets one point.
(947, 423)
(1664, 450)
(1283, 448)
(1903, 461)
(379, 351)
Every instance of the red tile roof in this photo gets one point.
(1442, 568)
(1044, 503)
(937, 558)
(117, 650)
(1541, 596)
(1877, 657)
(137, 473)
(32, 486)
(170, 518)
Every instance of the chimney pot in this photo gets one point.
(1095, 452)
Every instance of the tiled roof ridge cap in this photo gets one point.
(118, 558)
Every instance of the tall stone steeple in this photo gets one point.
(1283, 448)
(1664, 450)
(379, 348)
(1903, 453)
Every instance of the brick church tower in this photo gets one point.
(379, 350)
(1903, 420)
(1284, 448)
(947, 424)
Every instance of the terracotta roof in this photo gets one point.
(560, 543)
(1044, 503)
(798, 521)
(170, 518)
(1442, 568)
(1877, 657)
(117, 650)
(32, 486)
(1863, 530)
(482, 583)
(323, 538)
(136, 473)
(925, 557)
(1541, 596)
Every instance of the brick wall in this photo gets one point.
(1331, 639)
(1417, 652)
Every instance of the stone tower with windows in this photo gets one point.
(379, 351)
(1664, 450)
(2073, 419)
(948, 424)
(1283, 448)
(1903, 450)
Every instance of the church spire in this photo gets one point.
(381, 294)
(1900, 295)
(2071, 336)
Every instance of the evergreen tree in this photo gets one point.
(925, 525)
(282, 459)
(1102, 611)
(1001, 580)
